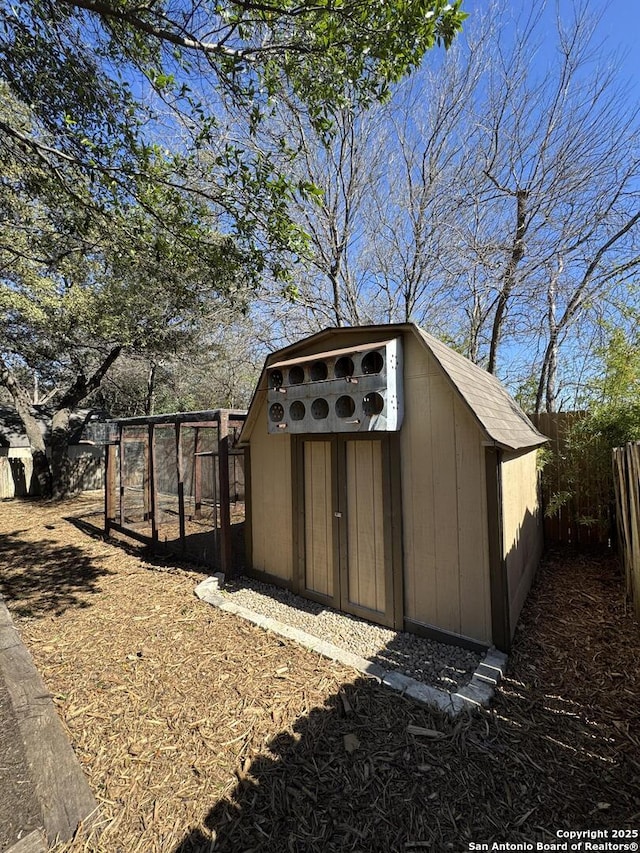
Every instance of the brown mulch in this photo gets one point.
(200, 732)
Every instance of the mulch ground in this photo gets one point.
(199, 732)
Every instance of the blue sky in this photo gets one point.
(622, 22)
(619, 27)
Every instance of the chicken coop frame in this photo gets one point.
(175, 482)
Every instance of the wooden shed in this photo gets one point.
(391, 478)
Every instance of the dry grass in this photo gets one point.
(199, 732)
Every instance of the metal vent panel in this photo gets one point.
(358, 390)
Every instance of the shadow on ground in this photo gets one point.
(346, 781)
(39, 577)
(164, 557)
(559, 749)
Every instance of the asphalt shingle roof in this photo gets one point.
(493, 407)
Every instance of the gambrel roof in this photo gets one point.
(497, 414)
(494, 408)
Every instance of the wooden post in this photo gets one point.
(498, 578)
(248, 532)
(146, 483)
(197, 475)
(183, 539)
(633, 452)
(109, 486)
(215, 485)
(226, 564)
(153, 491)
(622, 511)
(122, 473)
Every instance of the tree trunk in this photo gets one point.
(547, 381)
(60, 462)
(335, 290)
(21, 401)
(60, 431)
(475, 325)
(150, 401)
(552, 378)
(509, 278)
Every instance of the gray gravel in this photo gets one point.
(440, 665)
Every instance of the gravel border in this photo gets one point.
(444, 666)
(447, 676)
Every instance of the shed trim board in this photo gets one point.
(441, 526)
(429, 632)
(500, 613)
(334, 353)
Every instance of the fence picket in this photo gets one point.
(626, 478)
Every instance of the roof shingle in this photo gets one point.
(493, 407)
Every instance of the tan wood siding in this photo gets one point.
(445, 506)
(318, 517)
(446, 552)
(365, 520)
(473, 533)
(417, 490)
(522, 529)
(271, 501)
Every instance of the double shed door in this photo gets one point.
(347, 538)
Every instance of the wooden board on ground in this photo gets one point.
(60, 786)
(32, 843)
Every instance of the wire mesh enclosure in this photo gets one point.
(177, 482)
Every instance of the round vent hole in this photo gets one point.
(319, 409)
(276, 412)
(372, 404)
(372, 363)
(319, 371)
(297, 410)
(344, 367)
(275, 379)
(296, 375)
(345, 407)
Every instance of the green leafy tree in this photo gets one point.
(79, 286)
(136, 184)
(610, 418)
(113, 85)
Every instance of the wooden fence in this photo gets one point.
(577, 490)
(626, 481)
(16, 470)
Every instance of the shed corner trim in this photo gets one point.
(500, 619)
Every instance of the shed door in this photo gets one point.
(365, 546)
(344, 533)
(318, 518)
